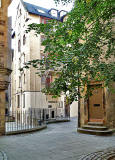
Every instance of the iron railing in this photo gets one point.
(31, 119)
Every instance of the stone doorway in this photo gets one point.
(95, 104)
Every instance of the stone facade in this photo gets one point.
(26, 86)
(99, 109)
(4, 70)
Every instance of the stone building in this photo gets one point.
(26, 86)
(4, 60)
(97, 113)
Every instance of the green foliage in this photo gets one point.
(80, 49)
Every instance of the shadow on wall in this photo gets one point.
(74, 109)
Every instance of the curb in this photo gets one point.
(26, 131)
(58, 121)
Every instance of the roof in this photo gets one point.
(33, 9)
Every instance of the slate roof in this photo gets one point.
(33, 9)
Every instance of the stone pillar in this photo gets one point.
(3, 86)
(2, 112)
(4, 71)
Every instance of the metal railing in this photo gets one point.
(22, 120)
(31, 119)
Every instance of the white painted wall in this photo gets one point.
(74, 109)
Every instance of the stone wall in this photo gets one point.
(110, 106)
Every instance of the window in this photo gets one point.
(54, 12)
(24, 40)
(20, 12)
(19, 46)
(47, 21)
(24, 79)
(48, 80)
(19, 63)
(19, 82)
(23, 100)
(49, 106)
(24, 58)
(62, 13)
(6, 97)
(39, 10)
(42, 20)
(18, 101)
(12, 54)
(43, 79)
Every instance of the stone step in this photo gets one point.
(91, 127)
(95, 123)
(95, 132)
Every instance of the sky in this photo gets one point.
(45, 4)
(50, 4)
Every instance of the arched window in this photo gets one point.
(24, 39)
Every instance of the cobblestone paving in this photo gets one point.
(58, 142)
(108, 154)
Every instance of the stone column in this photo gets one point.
(4, 72)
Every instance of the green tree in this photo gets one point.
(80, 49)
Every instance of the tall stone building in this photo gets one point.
(4, 65)
(26, 85)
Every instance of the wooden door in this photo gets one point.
(96, 110)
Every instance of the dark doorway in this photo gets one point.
(53, 114)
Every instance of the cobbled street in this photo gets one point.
(59, 141)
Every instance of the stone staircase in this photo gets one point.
(95, 128)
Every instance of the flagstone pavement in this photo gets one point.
(59, 141)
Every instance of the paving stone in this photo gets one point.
(58, 142)
(3, 156)
(108, 154)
